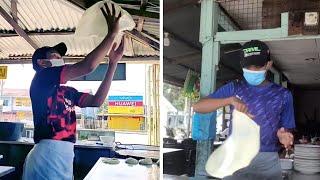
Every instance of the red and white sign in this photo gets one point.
(125, 103)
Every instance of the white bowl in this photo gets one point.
(286, 164)
(107, 140)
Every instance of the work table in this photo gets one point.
(102, 171)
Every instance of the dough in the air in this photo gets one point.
(238, 150)
(131, 161)
(146, 161)
(93, 17)
(111, 161)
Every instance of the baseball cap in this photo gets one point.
(254, 53)
(41, 53)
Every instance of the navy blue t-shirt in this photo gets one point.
(53, 106)
(272, 106)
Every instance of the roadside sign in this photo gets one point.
(125, 105)
(3, 72)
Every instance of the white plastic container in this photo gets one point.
(286, 164)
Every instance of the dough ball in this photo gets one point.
(146, 161)
(131, 161)
(111, 161)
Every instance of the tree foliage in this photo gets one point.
(174, 95)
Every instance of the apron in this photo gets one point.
(49, 160)
(265, 166)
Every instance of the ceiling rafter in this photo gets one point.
(17, 28)
(133, 60)
(135, 34)
(14, 10)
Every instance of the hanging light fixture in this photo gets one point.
(166, 40)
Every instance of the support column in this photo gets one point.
(210, 59)
(277, 76)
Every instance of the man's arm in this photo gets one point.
(207, 105)
(93, 59)
(212, 104)
(100, 96)
(90, 62)
(285, 133)
(216, 100)
(222, 97)
(103, 90)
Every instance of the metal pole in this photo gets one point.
(185, 110)
(158, 104)
(210, 59)
(189, 117)
(149, 120)
(154, 105)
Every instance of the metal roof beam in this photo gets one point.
(261, 34)
(182, 40)
(190, 45)
(84, 4)
(37, 33)
(129, 60)
(179, 5)
(18, 29)
(135, 34)
(178, 64)
(14, 11)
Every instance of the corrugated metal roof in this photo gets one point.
(52, 15)
(34, 15)
(12, 47)
(55, 16)
(152, 28)
(3, 23)
(82, 47)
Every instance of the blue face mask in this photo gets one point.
(254, 77)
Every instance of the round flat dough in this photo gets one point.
(131, 161)
(238, 150)
(111, 161)
(146, 161)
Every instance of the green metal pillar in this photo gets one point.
(277, 76)
(210, 59)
